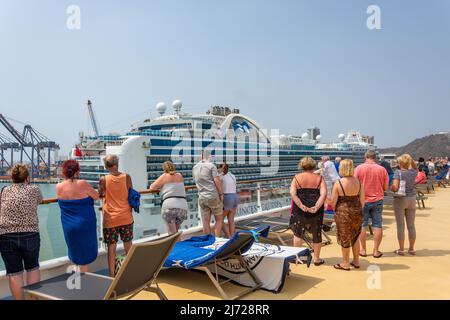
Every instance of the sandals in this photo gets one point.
(339, 267)
(355, 265)
(378, 256)
(412, 252)
(319, 263)
(363, 255)
(399, 252)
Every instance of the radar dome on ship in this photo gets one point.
(305, 135)
(161, 107)
(319, 137)
(176, 105)
(341, 137)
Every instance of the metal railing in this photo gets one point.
(143, 192)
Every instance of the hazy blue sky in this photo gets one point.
(288, 64)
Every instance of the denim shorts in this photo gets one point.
(374, 212)
(20, 251)
(230, 201)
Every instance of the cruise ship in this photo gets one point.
(260, 159)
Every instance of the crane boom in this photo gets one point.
(93, 120)
(12, 130)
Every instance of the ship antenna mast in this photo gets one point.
(93, 120)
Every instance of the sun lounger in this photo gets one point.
(425, 187)
(420, 198)
(238, 260)
(191, 254)
(138, 272)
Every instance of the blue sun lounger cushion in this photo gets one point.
(192, 253)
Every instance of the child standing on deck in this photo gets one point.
(117, 212)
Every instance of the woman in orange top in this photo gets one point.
(117, 212)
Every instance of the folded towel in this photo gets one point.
(134, 199)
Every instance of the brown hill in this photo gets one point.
(436, 145)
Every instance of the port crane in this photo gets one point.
(93, 120)
(6, 145)
(30, 143)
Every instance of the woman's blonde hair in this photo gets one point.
(19, 173)
(346, 168)
(169, 167)
(307, 164)
(406, 161)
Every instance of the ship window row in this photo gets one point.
(195, 143)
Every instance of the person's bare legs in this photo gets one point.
(298, 242)
(15, 285)
(218, 224)
(356, 250)
(225, 227)
(362, 241)
(83, 269)
(377, 237)
(127, 246)
(206, 223)
(172, 228)
(112, 259)
(231, 224)
(33, 276)
(345, 258)
(317, 247)
(412, 242)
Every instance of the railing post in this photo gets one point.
(258, 194)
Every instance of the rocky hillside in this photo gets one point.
(436, 145)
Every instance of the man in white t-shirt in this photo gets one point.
(330, 174)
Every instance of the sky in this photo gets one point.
(288, 64)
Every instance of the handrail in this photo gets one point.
(54, 200)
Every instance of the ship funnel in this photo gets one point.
(161, 107)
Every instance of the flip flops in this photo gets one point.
(355, 266)
(412, 252)
(319, 263)
(339, 267)
(378, 256)
(399, 252)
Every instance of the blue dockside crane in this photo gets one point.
(30, 143)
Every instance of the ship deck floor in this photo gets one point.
(424, 276)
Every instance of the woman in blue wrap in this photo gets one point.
(76, 201)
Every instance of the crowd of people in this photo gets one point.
(355, 195)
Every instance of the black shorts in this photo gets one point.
(20, 251)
